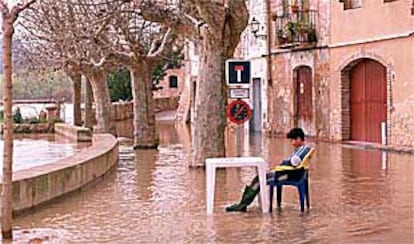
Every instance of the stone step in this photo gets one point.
(183, 107)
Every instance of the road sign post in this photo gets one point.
(238, 76)
(239, 112)
(237, 72)
(239, 134)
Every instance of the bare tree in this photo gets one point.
(118, 35)
(30, 61)
(216, 26)
(9, 16)
(141, 46)
(76, 79)
(67, 34)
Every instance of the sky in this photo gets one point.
(10, 3)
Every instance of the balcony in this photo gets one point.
(296, 29)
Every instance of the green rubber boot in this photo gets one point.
(248, 196)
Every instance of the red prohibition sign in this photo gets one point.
(239, 111)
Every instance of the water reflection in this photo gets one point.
(31, 150)
(154, 197)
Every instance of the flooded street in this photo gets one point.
(37, 149)
(154, 197)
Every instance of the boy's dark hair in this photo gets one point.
(296, 133)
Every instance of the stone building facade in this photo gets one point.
(342, 70)
(385, 38)
(299, 92)
(172, 85)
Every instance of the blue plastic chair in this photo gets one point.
(302, 184)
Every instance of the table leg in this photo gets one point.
(263, 189)
(210, 187)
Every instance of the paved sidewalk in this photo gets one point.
(165, 115)
(368, 145)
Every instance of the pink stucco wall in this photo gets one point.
(373, 19)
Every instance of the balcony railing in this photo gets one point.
(296, 28)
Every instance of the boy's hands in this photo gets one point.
(272, 165)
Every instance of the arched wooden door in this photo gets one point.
(368, 103)
(304, 108)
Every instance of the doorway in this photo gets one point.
(368, 100)
(256, 120)
(303, 99)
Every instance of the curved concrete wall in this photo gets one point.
(77, 133)
(38, 185)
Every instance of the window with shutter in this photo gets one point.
(351, 4)
(173, 81)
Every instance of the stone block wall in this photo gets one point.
(123, 111)
(166, 104)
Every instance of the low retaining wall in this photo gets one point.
(122, 111)
(31, 128)
(77, 133)
(38, 185)
(166, 104)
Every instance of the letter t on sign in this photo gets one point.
(239, 69)
(237, 72)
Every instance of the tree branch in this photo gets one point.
(3, 7)
(152, 52)
(173, 19)
(17, 9)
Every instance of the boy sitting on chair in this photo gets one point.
(300, 150)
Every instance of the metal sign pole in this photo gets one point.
(239, 112)
(238, 76)
(239, 131)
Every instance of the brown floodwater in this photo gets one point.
(31, 150)
(357, 196)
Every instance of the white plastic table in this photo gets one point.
(213, 163)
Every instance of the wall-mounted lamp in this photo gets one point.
(257, 28)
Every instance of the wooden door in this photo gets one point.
(304, 108)
(368, 103)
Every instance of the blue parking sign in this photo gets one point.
(237, 72)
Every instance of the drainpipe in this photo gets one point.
(269, 62)
(269, 41)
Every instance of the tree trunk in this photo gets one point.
(76, 98)
(89, 115)
(210, 104)
(145, 135)
(6, 211)
(102, 103)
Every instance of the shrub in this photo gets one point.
(33, 120)
(17, 116)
